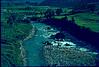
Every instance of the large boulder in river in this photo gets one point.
(58, 36)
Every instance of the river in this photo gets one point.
(34, 45)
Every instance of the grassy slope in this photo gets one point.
(11, 48)
(88, 20)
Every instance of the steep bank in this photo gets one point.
(32, 32)
(12, 49)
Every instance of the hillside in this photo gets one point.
(66, 3)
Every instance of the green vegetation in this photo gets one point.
(88, 20)
(11, 37)
(59, 17)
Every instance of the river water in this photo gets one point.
(34, 45)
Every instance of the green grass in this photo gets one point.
(87, 20)
(11, 48)
(59, 17)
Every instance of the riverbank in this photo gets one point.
(68, 56)
(23, 52)
(12, 38)
(32, 32)
(34, 46)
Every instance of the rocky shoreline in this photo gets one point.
(61, 52)
(67, 53)
(32, 32)
(64, 56)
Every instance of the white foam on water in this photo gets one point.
(63, 44)
(83, 49)
(94, 53)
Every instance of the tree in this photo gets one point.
(12, 19)
(26, 20)
(49, 13)
(66, 18)
(91, 7)
(73, 20)
(59, 11)
(97, 13)
(80, 5)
